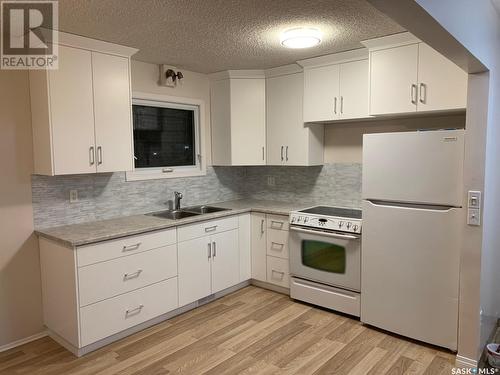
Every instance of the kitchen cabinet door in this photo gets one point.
(354, 89)
(287, 138)
(321, 93)
(194, 257)
(258, 230)
(393, 80)
(442, 84)
(248, 121)
(112, 106)
(71, 113)
(245, 244)
(225, 260)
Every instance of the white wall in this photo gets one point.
(476, 25)
(344, 142)
(20, 294)
(145, 78)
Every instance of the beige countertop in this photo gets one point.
(96, 231)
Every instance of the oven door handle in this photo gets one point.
(327, 234)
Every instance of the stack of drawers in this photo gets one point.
(125, 282)
(277, 262)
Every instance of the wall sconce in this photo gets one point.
(170, 73)
(169, 76)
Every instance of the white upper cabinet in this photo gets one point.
(442, 84)
(393, 80)
(289, 140)
(81, 112)
(238, 116)
(112, 112)
(70, 102)
(336, 86)
(321, 93)
(407, 76)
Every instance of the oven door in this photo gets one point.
(326, 257)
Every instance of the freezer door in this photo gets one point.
(410, 271)
(418, 167)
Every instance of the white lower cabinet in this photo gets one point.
(194, 270)
(258, 243)
(210, 262)
(270, 249)
(97, 293)
(111, 316)
(225, 260)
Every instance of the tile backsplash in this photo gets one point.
(103, 196)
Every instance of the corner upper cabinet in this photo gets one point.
(238, 118)
(407, 76)
(289, 140)
(81, 112)
(336, 87)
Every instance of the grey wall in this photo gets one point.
(103, 196)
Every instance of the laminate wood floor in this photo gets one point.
(251, 331)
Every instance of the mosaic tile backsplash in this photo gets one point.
(103, 196)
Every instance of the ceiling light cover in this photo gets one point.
(303, 37)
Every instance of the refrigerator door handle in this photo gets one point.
(417, 206)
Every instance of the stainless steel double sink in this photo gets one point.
(187, 212)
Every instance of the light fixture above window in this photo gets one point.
(301, 37)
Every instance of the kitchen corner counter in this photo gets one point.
(96, 231)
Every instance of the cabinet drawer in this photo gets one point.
(117, 276)
(111, 316)
(278, 271)
(124, 246)
(277, 243)
(188, 232)
(277, 222)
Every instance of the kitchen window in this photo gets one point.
(166, 139)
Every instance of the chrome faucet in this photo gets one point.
(177, 200)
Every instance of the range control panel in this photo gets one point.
(341, 224)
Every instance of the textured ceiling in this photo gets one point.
(213, 35)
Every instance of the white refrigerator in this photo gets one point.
(412, 217)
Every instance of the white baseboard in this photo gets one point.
(461, 362)
(20, 342)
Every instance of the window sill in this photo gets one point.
(158, 174)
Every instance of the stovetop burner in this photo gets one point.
(334, 211)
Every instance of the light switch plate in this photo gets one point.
(473, 216)
(474, 199)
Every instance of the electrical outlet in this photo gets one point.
(73, 196)
(271, 181)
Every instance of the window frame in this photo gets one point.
(166, 101)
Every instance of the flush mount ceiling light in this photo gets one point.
(301, 37)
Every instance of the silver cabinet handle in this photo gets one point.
(211, 229)
(131, 247)
(263, 154)
(281, 153)
(423, 93)
(262, 226)
(280, 245)
(279, 273)
(335, 105)
(132, 275)
(209, 250)
(214, 249)
(91, 155)
(286, 153)
(134, 311)
(279, 223)
(99, 155)
(413, 93)
(341, 104)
